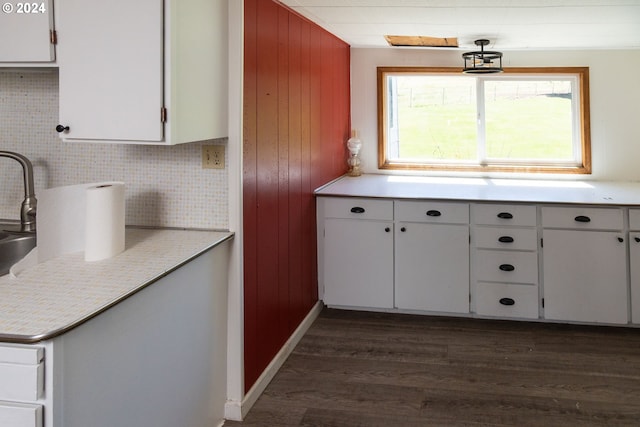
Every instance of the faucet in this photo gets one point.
(28, 208)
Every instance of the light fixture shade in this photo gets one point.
(482, 61)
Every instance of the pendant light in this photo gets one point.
(482, 61)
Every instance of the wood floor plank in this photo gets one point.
(379, 369)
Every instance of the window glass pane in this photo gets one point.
(432, 118)
(528, 119)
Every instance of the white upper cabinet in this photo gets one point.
(143, 72)
(26, 32)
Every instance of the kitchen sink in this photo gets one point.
(13, 247)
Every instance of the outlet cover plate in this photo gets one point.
(213, 157)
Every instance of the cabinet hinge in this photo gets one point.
(542, 243)
(53, 37)
(542, 302)
(163, 115)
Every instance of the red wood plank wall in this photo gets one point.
(296, 123)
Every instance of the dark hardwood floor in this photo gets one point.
(376, 369)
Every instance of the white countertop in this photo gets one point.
(484, 189)
(57, 295)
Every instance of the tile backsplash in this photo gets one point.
(165, 185)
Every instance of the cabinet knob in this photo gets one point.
(637, 239)
(403, 229)
(507, 301)
(357, 209)
(505, 239)
(505, 215)
(582, 218)
(506, 267)
(61, 128)
(433, 213)
(620, 239)
(387, 229)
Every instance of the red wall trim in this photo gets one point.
(296, 123)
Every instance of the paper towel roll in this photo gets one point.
(104, 221)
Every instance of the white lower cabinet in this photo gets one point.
(13, 414)
(634, 263)
(521, 261)
(505, 260)
(585, 269)
(21, 385)
(357, 252)
(158, 358)
(432, 256)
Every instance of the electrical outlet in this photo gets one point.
(213, 157)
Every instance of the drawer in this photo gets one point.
(516, 215)
(523, 239)
(20, 415)
(504, 300)
(436, 212)
(634, 219)
(505, 266)
(358, 208)
(582, 218)
(21, 372)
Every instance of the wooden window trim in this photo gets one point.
(585, 128)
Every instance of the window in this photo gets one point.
(522, 120)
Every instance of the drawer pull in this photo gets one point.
(505, 239)
(507, 301)
(433, 213)
(582, 218)
(357, 209)
(506, 267)
(505, 215)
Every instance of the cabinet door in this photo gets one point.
(585, 276)
(110, 55)
(432, 267)
(25, 31)
(634, 260)
(358, 263)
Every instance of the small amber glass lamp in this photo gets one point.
(354, 145)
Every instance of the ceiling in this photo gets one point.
(508, 24)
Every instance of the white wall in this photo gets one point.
(165, 186)
(615, 100)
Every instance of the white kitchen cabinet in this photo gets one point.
(21, 385)
(504, 254)
(27, 33)
(585, 268)
(634, 263)
(157, 358)
(358, 253)
(14, 414)
(144, 72)
(432, 256)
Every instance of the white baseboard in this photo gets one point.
(235, 410)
